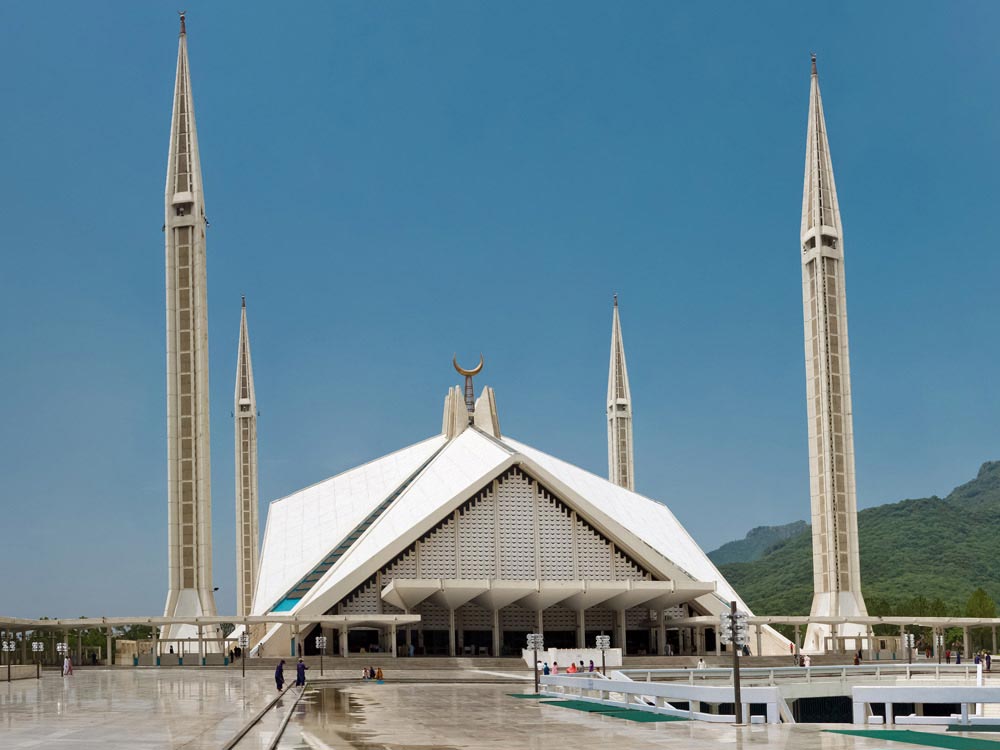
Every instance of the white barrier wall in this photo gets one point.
(660, 697)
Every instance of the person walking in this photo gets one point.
(545, 668)
(67, 666)
(591, 665)
(279, 675)
(300, 673)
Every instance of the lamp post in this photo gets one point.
(321, 647)
(244, 642)
(8, 649)
(36, 648)
(63, 649)
(535, 642)
(604, 643)
(733, 630)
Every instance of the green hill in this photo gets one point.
(923, 554)
(756, 543)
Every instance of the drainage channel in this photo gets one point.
(255, 725)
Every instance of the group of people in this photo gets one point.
(234, 654)
(571, 669)
(300, 674)
(372, 673)
(984, 658)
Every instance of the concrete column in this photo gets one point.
(581, 629)
(540, 623)
(110, 656)
(621, 630)
(966, 646)
(451, 632)
(24, 646)
(760, 650)
(994, 629)
(79, 646)
(936, 651)
(497, 635)
(343, 640)
(871, 643)
(718, 643)
(392, 640)
(201, 645)
(661, 635)
(156, 646)
(797, 641)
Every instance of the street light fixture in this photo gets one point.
(604, 643)
(536, 641)
(36, 648)
(244, 643)
(321, 647)
(8, 649)
(734, 630)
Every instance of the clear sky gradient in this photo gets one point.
(393, 182)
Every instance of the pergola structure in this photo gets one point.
(838, 643)
(208, 628)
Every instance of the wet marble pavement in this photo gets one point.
(130, 708)
(197, 709)
(484, 717)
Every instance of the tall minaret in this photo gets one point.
(245, 409)
(836, 568)
(189, 489)
(621, 464)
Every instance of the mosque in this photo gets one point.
(467, 541)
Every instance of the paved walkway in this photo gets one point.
(118, 709)
(485, 717)
(200, 709)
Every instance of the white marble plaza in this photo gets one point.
(196, 709)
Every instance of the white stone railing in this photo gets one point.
(660, 697)
(863, 696)
(775, 675)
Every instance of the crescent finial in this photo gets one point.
(468, 373)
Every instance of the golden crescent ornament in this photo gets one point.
(467, 373)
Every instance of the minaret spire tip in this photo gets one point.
(616, 299)
(244, 297)
(813, 56)
(182, 14)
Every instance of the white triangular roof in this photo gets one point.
(464, 466)
(305, 526)
(645, 527)
(649, 520)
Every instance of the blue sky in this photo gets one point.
(390, 183)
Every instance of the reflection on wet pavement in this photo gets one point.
(368, 716)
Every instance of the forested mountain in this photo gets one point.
(756, 543)
(928, 554)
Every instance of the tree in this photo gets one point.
(980, 604)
